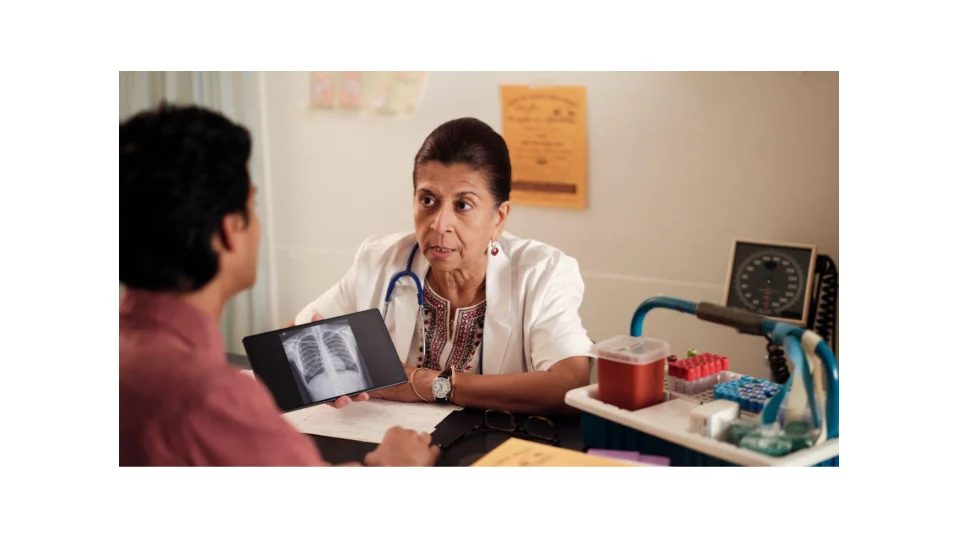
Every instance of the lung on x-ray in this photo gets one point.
(326, 361)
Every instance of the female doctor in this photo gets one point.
(499, 313)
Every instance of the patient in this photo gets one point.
(189, 241)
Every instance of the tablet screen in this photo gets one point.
(321, 361)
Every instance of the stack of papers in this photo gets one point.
(368, 421)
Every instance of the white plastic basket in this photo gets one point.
(669, 421)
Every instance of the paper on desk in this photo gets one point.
(297, 417)
(518, 452)
(368, 421)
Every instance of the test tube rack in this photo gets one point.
(750, 393)
(696, 374)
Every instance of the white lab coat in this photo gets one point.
(533, 294)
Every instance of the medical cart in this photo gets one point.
(663, 429)
(676, 421)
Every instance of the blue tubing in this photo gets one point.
(670, 303)
(831, 378)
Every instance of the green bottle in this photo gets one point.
(800, 435)
(738, 429)
(767, 440)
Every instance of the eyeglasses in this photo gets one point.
(532, 427)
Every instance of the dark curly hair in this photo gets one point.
(474, 143)
(182, 170)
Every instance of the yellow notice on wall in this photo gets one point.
(518, 452)
(545, 129)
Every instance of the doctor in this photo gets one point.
(499, 313)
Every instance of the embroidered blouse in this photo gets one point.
(461, 350)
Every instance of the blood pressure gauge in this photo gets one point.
(771, 279)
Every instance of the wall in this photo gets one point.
(680, 164)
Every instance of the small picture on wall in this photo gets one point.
(323, 94)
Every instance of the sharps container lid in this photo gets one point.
(631, 349)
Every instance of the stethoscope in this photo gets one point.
(420, 296)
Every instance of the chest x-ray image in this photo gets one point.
(326, 361)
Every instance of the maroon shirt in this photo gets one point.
(182, 403)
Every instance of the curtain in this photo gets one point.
(237, 96)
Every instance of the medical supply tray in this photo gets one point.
(663, 430)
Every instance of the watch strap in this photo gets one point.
(452, 386)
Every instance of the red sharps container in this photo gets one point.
(631, 371)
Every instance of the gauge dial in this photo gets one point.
(770, 282)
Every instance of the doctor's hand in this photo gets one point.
(404, 447)
(404, 392)
(346, 400)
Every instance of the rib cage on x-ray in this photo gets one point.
(326, 360)
(340, 353)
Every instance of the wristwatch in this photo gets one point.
(442, 386)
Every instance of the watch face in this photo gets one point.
(441, 387)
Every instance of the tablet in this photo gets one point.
(319, 362)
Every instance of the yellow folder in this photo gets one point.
(518, 452)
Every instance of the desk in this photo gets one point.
(338, 450)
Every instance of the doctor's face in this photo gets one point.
(455, 215)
